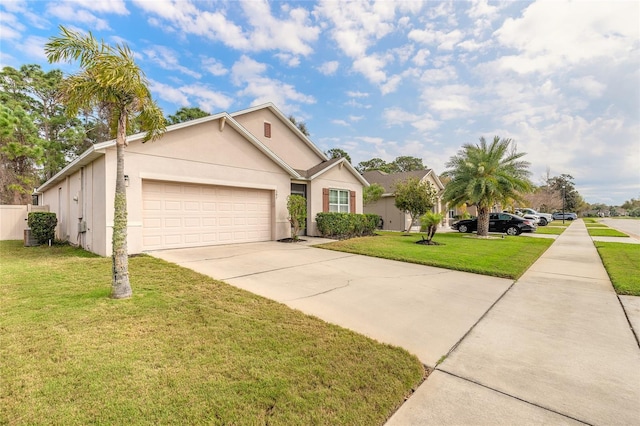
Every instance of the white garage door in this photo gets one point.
(187, 215)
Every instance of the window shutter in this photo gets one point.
(267, 130)
(325, 200)
(352, 201)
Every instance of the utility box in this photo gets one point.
(82, 226)
(29, 240)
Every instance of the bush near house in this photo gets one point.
(43, 226)
(346, 225)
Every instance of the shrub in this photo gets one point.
(297, 206)
(43, 226)
(346, 225)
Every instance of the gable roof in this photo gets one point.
(325, 166)
(388, 180)
(98, 150)
(271, 107)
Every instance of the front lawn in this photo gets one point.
(622, 262)
(605, 232)
(185, 349)
(507, 257)
(550, 230)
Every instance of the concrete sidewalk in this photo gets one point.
(557, 348)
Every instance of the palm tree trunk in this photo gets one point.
(120, 287)
(483, 221)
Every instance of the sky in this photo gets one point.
(387, 79)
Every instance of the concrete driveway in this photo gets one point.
(422, 309)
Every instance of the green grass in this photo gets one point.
(550, 230)
(185, 349)
(589, 220)
(508, 258)
(559, 223)
(622, 262)
(605, 232)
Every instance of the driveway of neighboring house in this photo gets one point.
(423, 309)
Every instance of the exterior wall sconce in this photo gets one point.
(126, 180)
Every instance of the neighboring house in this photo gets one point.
(392, 218)
(219, 179)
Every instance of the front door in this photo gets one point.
(301, 189)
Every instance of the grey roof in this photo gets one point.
(388, 180)
(317, 168)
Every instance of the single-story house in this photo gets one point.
(392, 218)
(220, 179)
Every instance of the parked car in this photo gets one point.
(545, 218)
(535, 218)
(508, 223)
(567, 216)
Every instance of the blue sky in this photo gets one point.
(384, 79)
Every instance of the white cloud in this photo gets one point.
(189, 95)
(355, 118)
(247, 73)
(70, 13)
(214, 66)
(168, 59)
(207, 99)
(33, 47)
(169, 93)
(246, 69)
(329, 68)
(293, 33)
(443, 40)
(420, 58)
(288, 59)
(353, 94)
(588, 85)
(372, 67)
(554, 35)
(395, 116)
(340, 123)
(103, 6)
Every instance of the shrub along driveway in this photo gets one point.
(424, 309)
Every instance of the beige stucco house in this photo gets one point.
(220, 179)
(392, 218)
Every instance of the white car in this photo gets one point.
(545, 218)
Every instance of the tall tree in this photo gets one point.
(109, 75)
(37, 93)
(405, 163)
(186, 114)
(370, 165)
(414, 197)
(21, 152)
(338, 153)
(572, 199)
(487, 174)
(301, 125)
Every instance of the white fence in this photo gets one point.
(13, 220)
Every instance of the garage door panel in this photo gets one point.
(187, 215)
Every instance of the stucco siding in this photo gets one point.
(393, 219)
(283, 141)
(200, 154)
(335, 178)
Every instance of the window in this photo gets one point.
(338, 201)
(267, 129)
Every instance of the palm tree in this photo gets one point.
(109, 76)
(486, 175)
